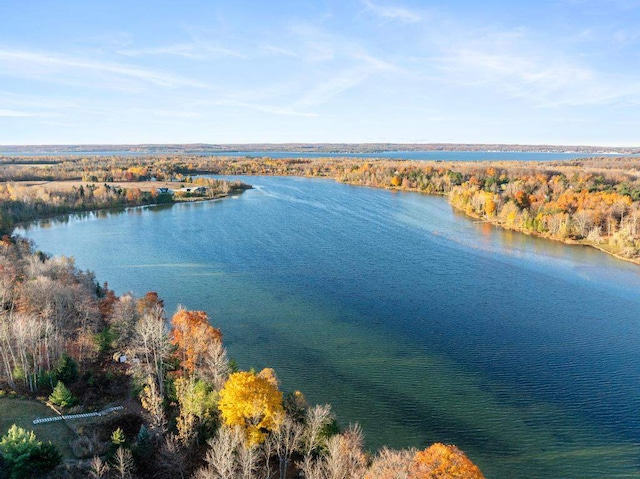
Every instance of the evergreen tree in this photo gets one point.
(61, 396)
(66, 369)
(24, 456)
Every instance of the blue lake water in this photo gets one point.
(406, 316)
(404, 155)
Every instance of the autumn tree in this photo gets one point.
(197, 405)
(252, 402)
(191, 333)
(440, 461)
(152, 402)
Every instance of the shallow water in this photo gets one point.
(409, 318)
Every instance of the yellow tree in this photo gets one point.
(440, 461)
(192, 334)
(489, 204)
(252, 402)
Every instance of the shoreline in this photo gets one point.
(567, 241)
(494, 222)
(25, 224)
(498, 224)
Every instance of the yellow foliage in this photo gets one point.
(270, 375)
(489, 204)
(252, 402)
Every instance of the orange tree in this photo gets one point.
(440, 461)
(191, 333)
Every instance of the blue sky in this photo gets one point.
(535, 72)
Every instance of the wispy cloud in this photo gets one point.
(274, 110)
(340, 65)
(392, 12)
(25, 114)
(514, 64)
(339, 82)
(278, 51)
(65, 69)
(196, 51)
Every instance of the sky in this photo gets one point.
(563, 72)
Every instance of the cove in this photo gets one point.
(406, 316)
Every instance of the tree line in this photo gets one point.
(595, 201)
(21, 202)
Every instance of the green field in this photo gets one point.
(23, 411)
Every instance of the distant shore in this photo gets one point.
(353, 148)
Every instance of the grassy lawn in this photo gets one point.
(23, 411)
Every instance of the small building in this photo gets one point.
(194, 190)
(120, 357)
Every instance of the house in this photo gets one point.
(194, 190)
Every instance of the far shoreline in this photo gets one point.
(152, 185)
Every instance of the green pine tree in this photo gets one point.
(61, 396)
(25, 456)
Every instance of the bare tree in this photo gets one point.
(99, 469)
(124, 319)
(318, 417)
(583, 221)
(221, 458)
(7, 351)
(123, 463)
(247, 458)
(215, 366)
(344, 458)
(151, 345)
(171, 457)
(287, 439)
(390, 464)
(313, 468)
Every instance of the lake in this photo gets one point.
(409, 318)
(403, 155)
